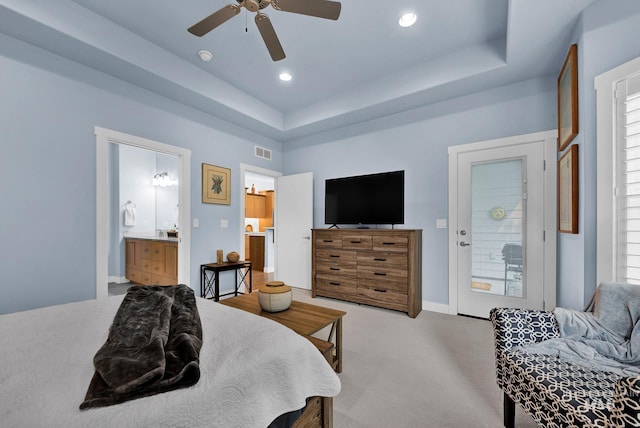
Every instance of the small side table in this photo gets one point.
(210, 278)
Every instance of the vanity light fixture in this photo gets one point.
(407, 19)
(162, 179)
(285, 77)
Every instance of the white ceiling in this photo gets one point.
(356, 69)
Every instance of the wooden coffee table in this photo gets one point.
(303, 318)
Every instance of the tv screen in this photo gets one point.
(365, 199)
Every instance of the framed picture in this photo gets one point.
(216, 184)
(568, 191)
(568, 99)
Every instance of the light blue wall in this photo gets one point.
(607, 36)
(48, 110)
(421, 150)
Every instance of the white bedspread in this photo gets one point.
(252, 370)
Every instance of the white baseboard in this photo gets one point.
(117, 279)
(435, 307)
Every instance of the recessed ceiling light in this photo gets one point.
(285, 77)
(206, 56)
(408, 19)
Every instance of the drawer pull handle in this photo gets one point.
(334, 283)
(356, 242)
(380, 260)
(334, 268)
(388, 243)
(380, 274)
(335, 256)
(379, 290)
(327, 240)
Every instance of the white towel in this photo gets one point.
(129, 215)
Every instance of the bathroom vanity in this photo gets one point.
(152, 261)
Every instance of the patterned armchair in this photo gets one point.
(554, 392)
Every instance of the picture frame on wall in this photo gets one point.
(568, 99)
(568, 191)
(216, 184)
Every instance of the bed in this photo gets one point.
(252, 371)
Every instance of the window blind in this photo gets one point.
(628, 180)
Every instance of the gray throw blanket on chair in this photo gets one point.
(607, 337)
(153, 346)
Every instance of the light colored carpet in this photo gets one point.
(436, 370)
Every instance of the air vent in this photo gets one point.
(263, 153)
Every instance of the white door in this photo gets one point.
(294, 221)
(500, 229)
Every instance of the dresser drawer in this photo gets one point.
(395, 286)
(394, 243)
(336, 256)
(383, 294)
(337, 285)
(328, 241)
(357, 242)
(383, 261)
(336, 269)
(373, 273)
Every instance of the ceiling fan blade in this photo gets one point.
(270, 37)
(318, 8)
(212, 21)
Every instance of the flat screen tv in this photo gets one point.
(365, 199)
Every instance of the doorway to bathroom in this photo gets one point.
(168, 167)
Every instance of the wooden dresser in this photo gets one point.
(151, 262)
(378, 267)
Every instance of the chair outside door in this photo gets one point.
(512, 256)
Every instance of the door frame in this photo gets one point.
(550, 202)
(103, 138)
(241, 197)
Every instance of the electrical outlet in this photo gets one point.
(441, 223)
(196, 222)
(224, 223)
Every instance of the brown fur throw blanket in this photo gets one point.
(153, 346)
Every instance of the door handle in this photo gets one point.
(464, 244)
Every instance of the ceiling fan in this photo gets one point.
(318, 8)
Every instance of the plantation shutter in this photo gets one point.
(628, 180)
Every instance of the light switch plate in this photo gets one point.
(441, 223)
(196, 222)
(224, 223)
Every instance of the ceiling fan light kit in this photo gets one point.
(317, 8)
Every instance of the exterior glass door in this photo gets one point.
(498, 208)
(499, 246)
